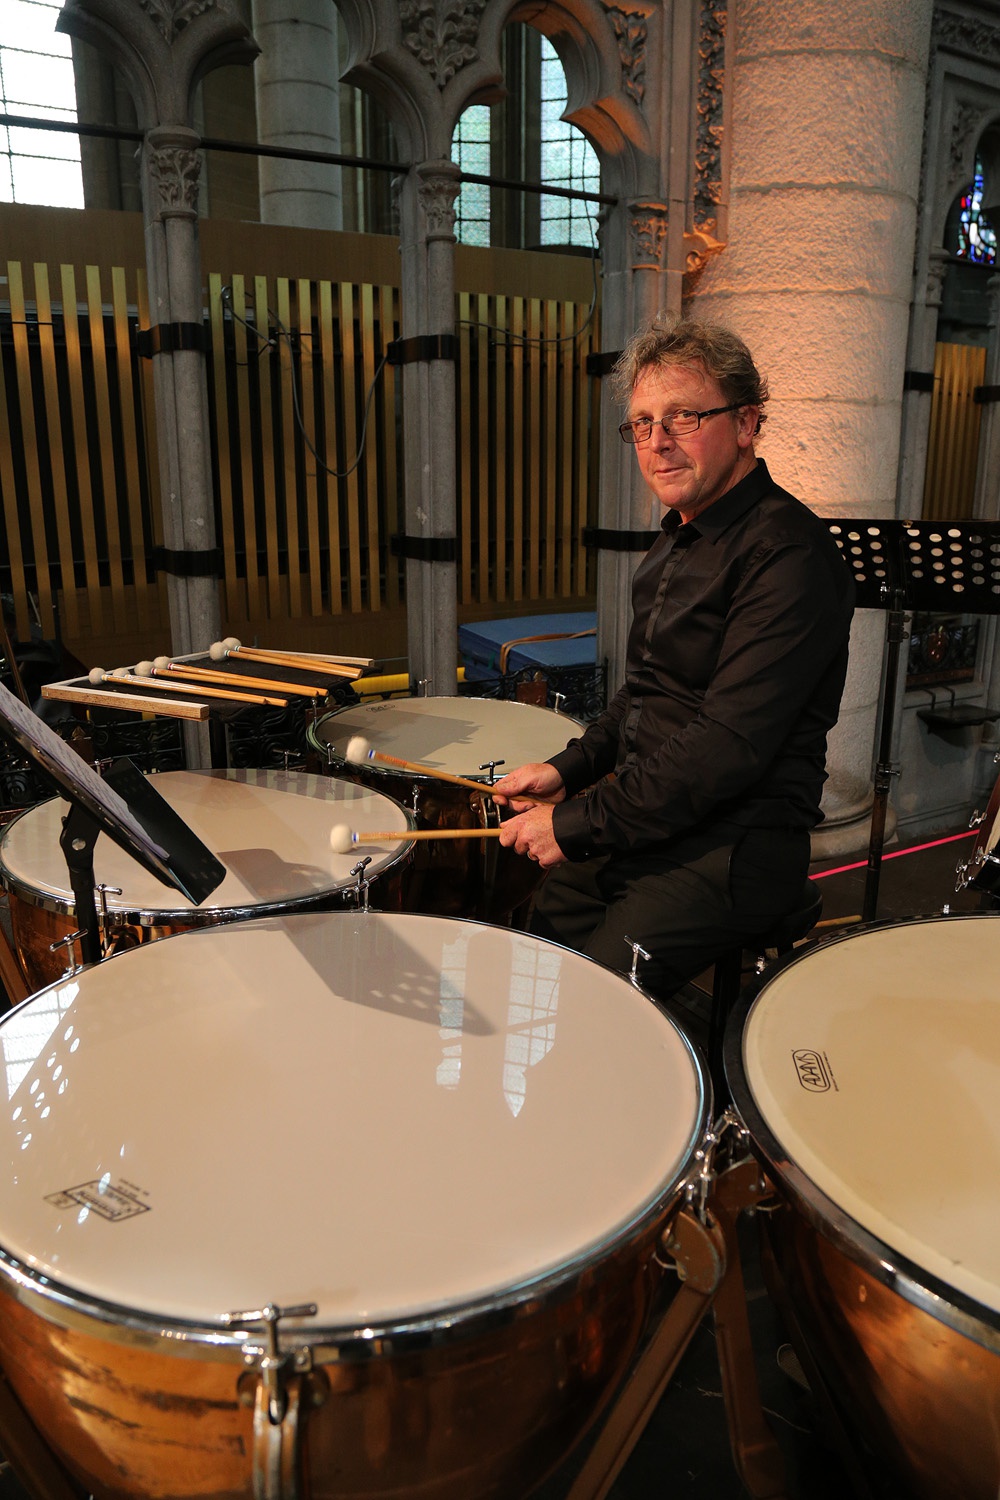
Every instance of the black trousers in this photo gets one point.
(684, 903)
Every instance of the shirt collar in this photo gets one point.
(728, 508)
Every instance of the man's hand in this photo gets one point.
(530, 833)
(537, 779)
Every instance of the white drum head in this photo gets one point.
(874, 1062)
(388, 1116)
(271, 829)
(459, 735)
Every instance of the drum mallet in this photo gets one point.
(344, 839)
(234, 644)
(220, 650)
(142, 676)
(163, 666)
(359, 751)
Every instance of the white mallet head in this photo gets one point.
(341, 839)
(358, 750)
(231, 643)
(144, 669)
(218, 650)
(160, 662)
(95, 676)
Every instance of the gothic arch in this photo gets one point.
(427, 63)
(975, 131)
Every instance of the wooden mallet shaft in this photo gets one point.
(474, 786)
(291, 660)
(237, 680)
(358, 837)
(196, 689)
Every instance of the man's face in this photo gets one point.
(689, 473)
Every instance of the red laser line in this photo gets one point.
(862, 864)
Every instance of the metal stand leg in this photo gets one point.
(648, 1380)
(756, 1454)
(708, 1262)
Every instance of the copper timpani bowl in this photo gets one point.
(395, 1181)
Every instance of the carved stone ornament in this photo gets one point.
(437, 193)
(699, 249)
(937, 270)
(648, 228)
(441, 34)
(965, 131)
(175, 172)
(966, 34)
(630, 29)
(171, 18)
(710, 106)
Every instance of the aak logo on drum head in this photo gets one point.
(813, 1070)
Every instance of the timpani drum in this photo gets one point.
(867, 1070)
(271, 829)
(465, 737)
(374, 1197)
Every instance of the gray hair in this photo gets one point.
(719, 351)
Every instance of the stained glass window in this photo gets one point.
(977, 239)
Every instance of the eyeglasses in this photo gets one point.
(641, 429)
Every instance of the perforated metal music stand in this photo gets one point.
(901, 566)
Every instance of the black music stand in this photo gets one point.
(124, 805)
(902, 566)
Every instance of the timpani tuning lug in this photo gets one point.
(638, 951)
(74, 960)
(362, 884)
(491, 766)
(278, 1384)
(103, 892)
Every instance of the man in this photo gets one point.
(702, 779)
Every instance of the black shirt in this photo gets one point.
(734, 672)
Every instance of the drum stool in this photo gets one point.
(727, 979)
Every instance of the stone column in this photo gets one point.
(916, 416)
(988, 492)
(298, 105)
(161, 52)
(669, 186)
(171, 169)
(632, 293)
(987, 504)
(427, 245)
(827, 125)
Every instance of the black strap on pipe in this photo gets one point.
(434, 549)
(206, 563)
(602, 364)
(422, 347)
(170, 338)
